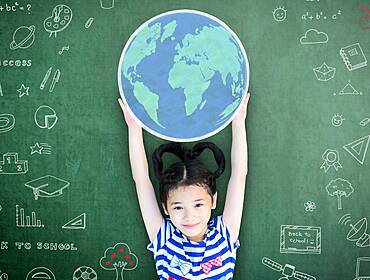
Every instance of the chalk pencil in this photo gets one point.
(45, 79)
(55, 80)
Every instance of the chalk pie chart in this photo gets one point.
(45, 117)
(183, 75)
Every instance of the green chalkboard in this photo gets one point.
(67, 198)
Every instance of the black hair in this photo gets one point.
(188, 171)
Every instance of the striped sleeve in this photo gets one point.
(164, 233)
(222, 228)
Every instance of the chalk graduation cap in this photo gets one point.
(47, 186)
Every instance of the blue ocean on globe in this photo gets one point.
(183, 75)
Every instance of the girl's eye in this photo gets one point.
(177, 208)
(199, 205)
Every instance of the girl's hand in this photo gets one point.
(242, 114)
(131, 123)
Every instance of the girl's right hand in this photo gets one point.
(242, 114)
(131, 123)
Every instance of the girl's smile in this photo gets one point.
(189, 208)
(191, 225)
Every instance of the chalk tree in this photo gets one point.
(339, 187)
(119, 258)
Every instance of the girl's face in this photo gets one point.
(190, 208)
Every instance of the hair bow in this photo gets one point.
(185, 267)
(207, 266)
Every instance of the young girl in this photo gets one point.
(191, 244)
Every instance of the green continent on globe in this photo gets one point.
(193, 82)
(200, 61)
(148, 99)
(168, 30)
(144, 45)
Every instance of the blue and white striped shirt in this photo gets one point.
(178, 258)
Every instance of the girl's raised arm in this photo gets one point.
(139, 167)
(234, 201)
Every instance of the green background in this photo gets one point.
(289, 128)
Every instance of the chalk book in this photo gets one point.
(353, 56)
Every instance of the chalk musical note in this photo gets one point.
(65, 48)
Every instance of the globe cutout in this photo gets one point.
(183, 75)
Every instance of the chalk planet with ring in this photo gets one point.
(23, 37)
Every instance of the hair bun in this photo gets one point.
(174, 148)
(217, 154)
(185, 155)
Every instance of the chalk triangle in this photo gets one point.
(358, 148)
(348, 89)
(76, 223)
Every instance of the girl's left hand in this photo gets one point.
(242, 114)
(128, 118)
